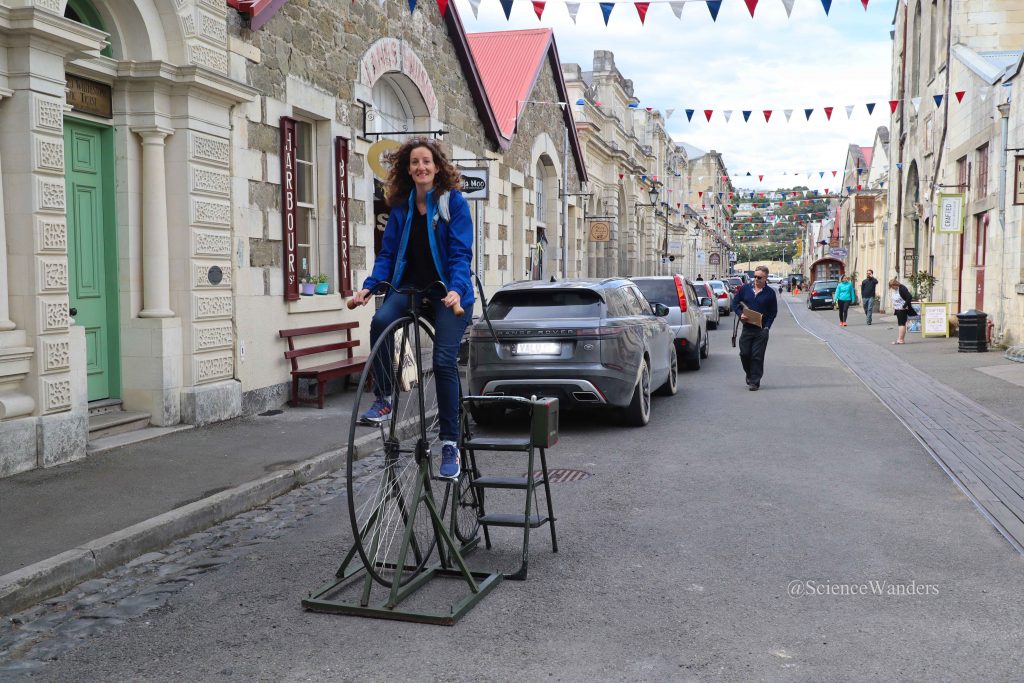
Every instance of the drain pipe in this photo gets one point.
(1004, 133)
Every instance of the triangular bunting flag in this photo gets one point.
(807, 113)
(871, 108)
(892, 106)
(746, 115)
(443, 6)
(865, 3)
(788, 113)
(713, 7)
(828, 113)
(916, 101)
(821, 174)
(700, 195)
(689, 114)
(849, 110)
(833, 175)
(708, 113)
(606, 10)
(641, 9)
(668, 113)
(788, 4)
(760, 178)
(767, 115)
(959, 96)
(827, 4)
(677, 8)
(727, 114)
(938, 100)
(751, 4)
(538, 7)
(412, 6)
(573, 8)
(899, 166)
(475, 5)
(507, 6)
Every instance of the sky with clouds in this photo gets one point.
(808, 60)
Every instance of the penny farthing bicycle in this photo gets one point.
(402, 514)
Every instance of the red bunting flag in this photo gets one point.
(828, 113)
(443, 6)
(708, 113)
(892, 106)
(641, 9)
(865, 3)
(759, 179)
(751, 4)
(834, 173)
(959, 96)
(538, 7)
(767, 115)
(620, 176)
(700, 195)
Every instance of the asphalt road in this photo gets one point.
(678, 560)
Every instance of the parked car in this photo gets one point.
(708, 301)
(734, 282)
(588, 343)
(774, 279)
(685, 317)
(820, 294)
(723, 296)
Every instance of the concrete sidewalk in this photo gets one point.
(60, 526)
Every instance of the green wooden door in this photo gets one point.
(92, 254)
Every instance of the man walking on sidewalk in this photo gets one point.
(760, 298)
(867, 294)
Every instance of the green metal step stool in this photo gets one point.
(543, 416)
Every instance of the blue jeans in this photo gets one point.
(869, 307)
(448, 330)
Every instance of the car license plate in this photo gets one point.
(537, 349)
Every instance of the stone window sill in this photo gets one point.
(316, 303)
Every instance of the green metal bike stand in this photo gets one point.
(479, 583)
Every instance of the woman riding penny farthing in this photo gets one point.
(423, 269)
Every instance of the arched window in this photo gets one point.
(392, 113)
(84, 12)
(538, 184)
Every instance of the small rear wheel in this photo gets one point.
(693, 358)
(466, 509)
(705, 350)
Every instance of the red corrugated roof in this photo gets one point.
(509, 63)
(866, 152)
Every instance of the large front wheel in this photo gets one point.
(388, 451)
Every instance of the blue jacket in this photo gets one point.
(451, 245)
(845, 292)
(764, 303)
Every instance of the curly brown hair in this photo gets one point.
(400, 183)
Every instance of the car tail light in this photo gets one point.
(723, 295)
(815, 292)
(680, 293)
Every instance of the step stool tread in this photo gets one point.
(512, 519)
(498, 443)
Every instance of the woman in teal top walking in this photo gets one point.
(844, 296)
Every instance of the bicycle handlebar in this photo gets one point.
(456, 309)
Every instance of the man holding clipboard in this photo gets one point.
(755, 306)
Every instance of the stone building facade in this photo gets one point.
(959, 144)
(142, 246)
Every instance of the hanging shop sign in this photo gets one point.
(475, 183)
(864, 210)
(951, 213)
(88, 96)
(289, 204)
(344, 235)
(715, 259)
(1018, 180)
(600, 231)
(376, 157)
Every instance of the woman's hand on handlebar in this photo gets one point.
(451, 299)
(359, 298)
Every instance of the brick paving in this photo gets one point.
(980, 450)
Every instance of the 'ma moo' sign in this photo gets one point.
(475, 183)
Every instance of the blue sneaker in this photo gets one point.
(450, 468)
(379, 412)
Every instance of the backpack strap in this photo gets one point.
(444, 213)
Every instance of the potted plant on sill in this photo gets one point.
(307, 286)
(322, 283)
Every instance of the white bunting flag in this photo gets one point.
(788, 4)
(788, 113)
(573, 8)
(916, 101)
(475, 4)
(728, 114)
(677, 7)
(849, 110)
(668, 113)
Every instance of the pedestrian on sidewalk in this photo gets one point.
(867, 294)
(424, 242)
(758, 297)
(901, 306)
(844, 298)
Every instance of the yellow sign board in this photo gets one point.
(934, 318)
(376, 155)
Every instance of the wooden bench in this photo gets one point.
(345, 367)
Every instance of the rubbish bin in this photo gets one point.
(973, 331)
